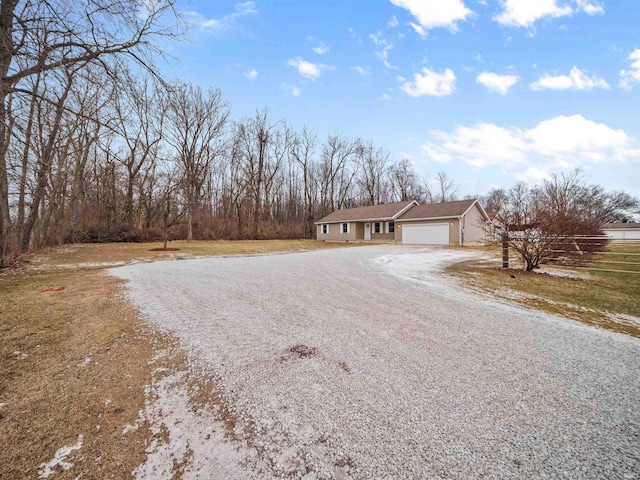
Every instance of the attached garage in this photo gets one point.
(431, 234)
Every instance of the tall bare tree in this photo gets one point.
(374, 165)
(140, 119)
(195, 131)
(336, 172)
(404, 182)
(303, 151)
(441, 189)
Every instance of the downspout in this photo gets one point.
(461, 226)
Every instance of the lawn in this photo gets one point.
(589, 295)
(75, 357)
(86, 255)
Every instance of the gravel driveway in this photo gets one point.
(370, 363)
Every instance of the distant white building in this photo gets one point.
(622, 231)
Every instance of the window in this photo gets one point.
(391, 227)
(345, 228)
(325, 228)
(376, 227)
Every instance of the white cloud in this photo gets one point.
(524, 13)
(562, 137)
(431, 83)
(364, 71)
(393, 22)
(384, 56)
(481, 145)
(560, 142)
(497, 83)
(321, 49)
(436, 13)
(378, 39)
(535, 174)
(631, 76)
(385, 97)
(419, 30)
(308, 69)
(591, 7)
(251, 74)
(576, 80)
(292, 89)
(219, 24)
(354, 35)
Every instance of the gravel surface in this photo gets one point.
(370, 363)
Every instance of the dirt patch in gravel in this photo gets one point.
(302, 351)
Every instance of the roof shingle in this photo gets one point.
(375, 212)
(437, 210)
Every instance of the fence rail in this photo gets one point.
(579, 252)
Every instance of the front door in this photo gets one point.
(367, 231)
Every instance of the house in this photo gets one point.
(622, 231)
(495, 227)
(450, 223)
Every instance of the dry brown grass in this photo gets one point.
(76, 361)
(52, 392)
(125, 252)
(596, 298)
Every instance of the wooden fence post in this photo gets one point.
(505, 249)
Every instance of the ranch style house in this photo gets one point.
(458, 223)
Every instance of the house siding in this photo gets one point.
(454, 228)
(335, 232)
(382, 236)
(475, 230)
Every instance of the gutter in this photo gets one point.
(385, 219)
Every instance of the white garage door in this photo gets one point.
(435, 234)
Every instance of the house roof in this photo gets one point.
(618, 226)
(439, 210)
(385, 211)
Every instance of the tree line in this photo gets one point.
(95, 145)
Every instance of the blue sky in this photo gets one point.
(490, 91)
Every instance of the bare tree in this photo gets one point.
(441, 189)
(404, 182)
(569, 193)
(195, 129)
(495, 201)
(303, 149)
(139, 124)
(335, 171)
(545, 225)
(46, 159)
(374, 165)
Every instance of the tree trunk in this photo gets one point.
(43, 170)
(7, 7)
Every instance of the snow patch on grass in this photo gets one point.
(188, 440)
(45, 470)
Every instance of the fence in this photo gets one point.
(598, 254)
